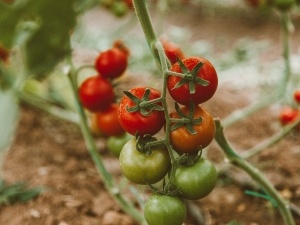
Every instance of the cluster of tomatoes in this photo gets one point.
(145, 160)
(290, 114)
(97, 95)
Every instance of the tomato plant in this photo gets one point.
(195, 181)
(111, 63)
(202, 136)
(115, 143)
(96, 93)
(135, 118)
(164, 210)
(199, 83)
(144, 168)
(108, 121)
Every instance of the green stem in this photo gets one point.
(235, 159)
(248, 110)
(270, 141)
(96, 157)
(285, 30)
(145, 21)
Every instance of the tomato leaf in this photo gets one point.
(51, 42)
(8, 116)
(42, 27)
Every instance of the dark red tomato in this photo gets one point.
(96, 93)
(288, 115)
(4, 53)
(108, 121)
(135, 122)
(297, 96)
(185, 142)
(111, 63)
(172, 51)
(182, 94)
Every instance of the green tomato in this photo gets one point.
(196, 181)
(116, 143)
(165, 210)
(141, 168)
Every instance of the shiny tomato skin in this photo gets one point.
(137, 123)
(184, 142)
(108, 121)
(297, 96)
(196, 181)
(202, 93)
(140, 168)
(116, 143)
(164, 210)
(96, 93)
(111, 63)
(172, 51)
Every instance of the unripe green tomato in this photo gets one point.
(165, 210)
(196, 181)
(119, 8)
(116, 143)
(284, 4)
(141, 168)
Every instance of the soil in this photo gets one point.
(51, 153)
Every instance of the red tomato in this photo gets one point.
(173, 51)
(111, 63)
(108, 121)
(96, 93)
(135, 122)
(288, 115)
(202, 93)
(297, 96)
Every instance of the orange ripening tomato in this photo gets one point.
(185, 142)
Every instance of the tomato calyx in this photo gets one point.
(145, 144)
(143, 105)
(191, 77)
(187, 120)
(186, 159)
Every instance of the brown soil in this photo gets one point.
(51, 153)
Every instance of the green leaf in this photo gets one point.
(18, 192)
(9, 19)
(44, 26)
(51, 42)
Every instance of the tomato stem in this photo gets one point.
(238, 161)
(96, 157)
(286, 24)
